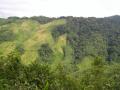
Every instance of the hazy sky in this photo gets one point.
(55, 8)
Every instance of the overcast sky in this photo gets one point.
(55, 8)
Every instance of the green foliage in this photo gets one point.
(45, 52)
(78, 50)
(58, 31)
(6, 35)
(39, 75)
(20, 49)
(89, 36)
(42, 19)
(14, 75)
(65, 81)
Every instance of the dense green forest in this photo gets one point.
(65, 53)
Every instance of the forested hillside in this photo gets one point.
(65, 53)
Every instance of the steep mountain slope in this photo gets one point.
(29, 35)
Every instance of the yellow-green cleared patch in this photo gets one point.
(86, 63)
(6, 48)
(41, 36)
(60, 43)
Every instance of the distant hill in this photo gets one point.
(69, 38)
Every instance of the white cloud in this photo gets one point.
(54, 8)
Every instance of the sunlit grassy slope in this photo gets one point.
(30, 35)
